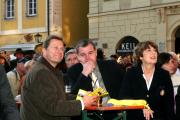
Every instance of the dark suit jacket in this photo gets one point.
(43, 95)
(177, 98)
(159, 96)
(111, 74)
(8, 110)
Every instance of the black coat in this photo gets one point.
(177, 98)
(159, 97)
(8, 110)
(111, 73)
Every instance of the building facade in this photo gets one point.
(113, 23)
(21, 20)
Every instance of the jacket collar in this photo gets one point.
(49, 66)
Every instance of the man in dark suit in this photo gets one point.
(177, 98)
(8, 110)
(43, 95)
(90, 73)
(108, 73)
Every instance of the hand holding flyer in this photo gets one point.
(97, 92)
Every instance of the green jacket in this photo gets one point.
(43, 95)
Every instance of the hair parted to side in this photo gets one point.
(50, 38)
(84, 43)
(164, 58)
(141, 47)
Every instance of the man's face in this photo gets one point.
(170, 67)
(2, 53)
(86, 54)
(71, 59)
(19, 55)
(2, 61)
(54, 53)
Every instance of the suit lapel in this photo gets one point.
(104, 74)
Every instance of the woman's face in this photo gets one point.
(149, 56)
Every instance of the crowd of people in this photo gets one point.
(49, 81)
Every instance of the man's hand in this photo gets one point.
(90, 100)
(88, 67)
(148, 114)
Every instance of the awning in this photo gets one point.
(23, 46)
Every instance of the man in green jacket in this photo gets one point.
(43, 95)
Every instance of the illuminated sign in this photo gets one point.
(127, 45)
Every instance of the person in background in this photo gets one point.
(5, 60)
(114, 57)
(19, 54)
(38, 49)
(3, 53)
(2, 61)
(29, 64)
(167, 62)
(8, 110)
(16, 76)
(176, 76)
(43, 96)
(100, 54)
(149, 82)
(126, 62)
(70, 60)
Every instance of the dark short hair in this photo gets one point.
(164, 58)
(84, 43)
(50, 38)
(141, 47)
(114, 56)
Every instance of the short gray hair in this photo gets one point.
(71, 51)
(84, 43)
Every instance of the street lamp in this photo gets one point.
(38, 37)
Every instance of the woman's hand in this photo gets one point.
(148, 113)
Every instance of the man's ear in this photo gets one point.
(43, 51)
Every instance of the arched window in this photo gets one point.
(177, 40)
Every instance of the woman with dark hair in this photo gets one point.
(149, 82)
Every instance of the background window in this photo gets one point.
(9, 9)
(31, 7)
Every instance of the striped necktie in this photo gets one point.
(95, 82)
